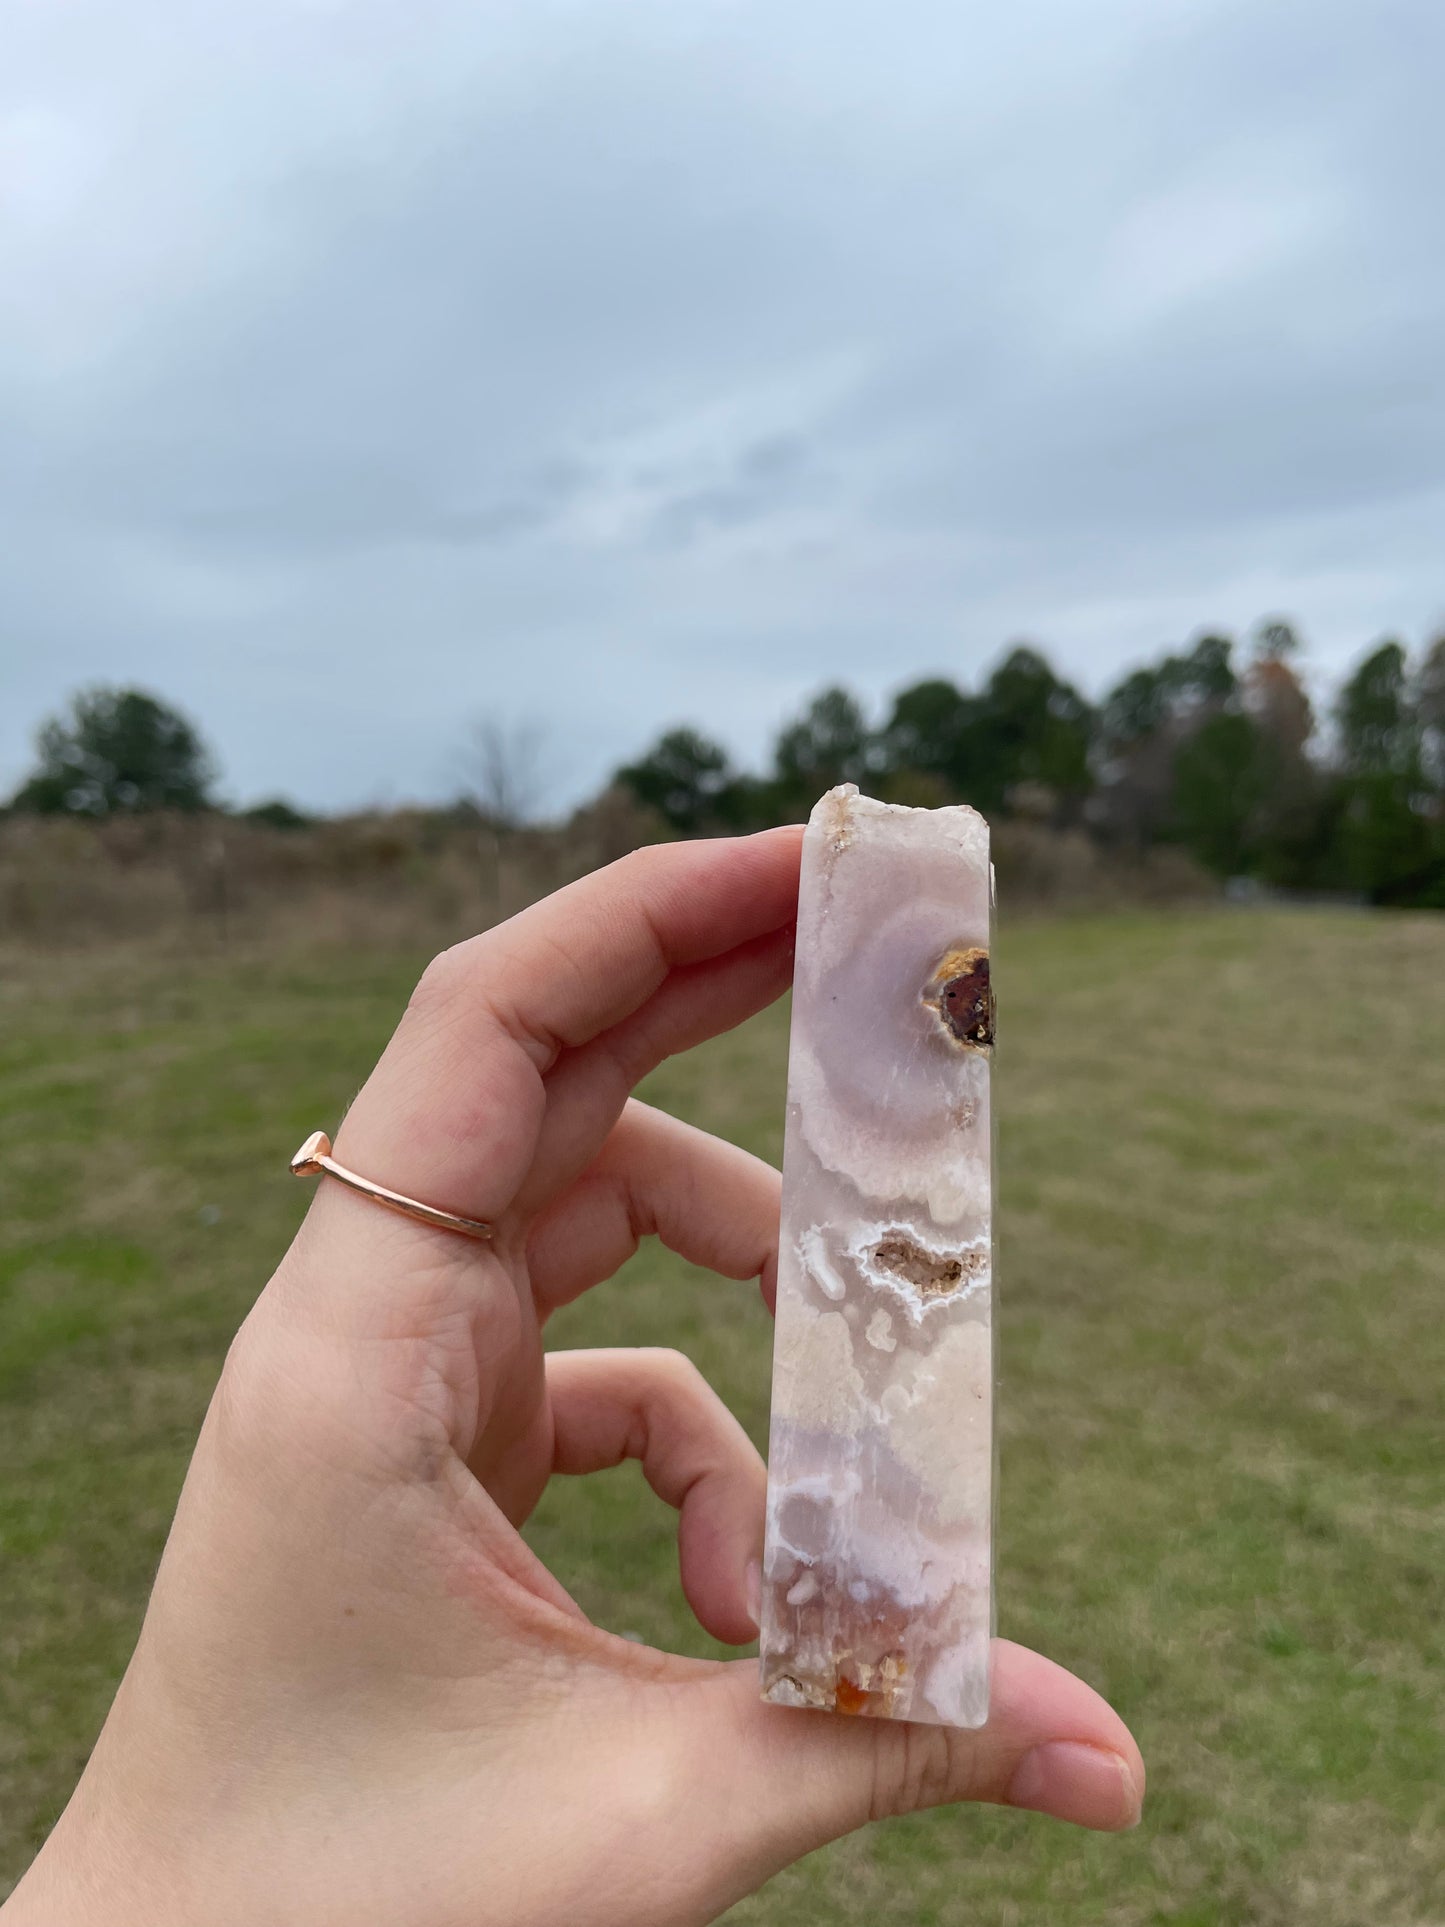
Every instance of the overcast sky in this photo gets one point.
(367, 366)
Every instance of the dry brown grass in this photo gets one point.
(411, 875)
(213, 880)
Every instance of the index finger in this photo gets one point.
(452, 1110)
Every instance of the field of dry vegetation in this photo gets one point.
(209, 880)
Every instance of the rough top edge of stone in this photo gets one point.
(837, 809)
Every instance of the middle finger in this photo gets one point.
(588, 1087)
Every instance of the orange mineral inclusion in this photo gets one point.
(848, 1698)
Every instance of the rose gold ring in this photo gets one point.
(314, 1157)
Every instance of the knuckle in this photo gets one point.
(441, 982)
(637, 863)
(679, 1375)
(918, 1767)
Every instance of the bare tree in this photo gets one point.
(504, 779)
(502, 768)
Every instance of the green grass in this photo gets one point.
(1223, 1273)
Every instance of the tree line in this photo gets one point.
(1214, 749)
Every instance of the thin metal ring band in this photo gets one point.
(314, 1157)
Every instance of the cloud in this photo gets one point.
(364, 369)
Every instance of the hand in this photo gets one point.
(357, 1696)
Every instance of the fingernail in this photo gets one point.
(753, 1591)
(1074, 1781)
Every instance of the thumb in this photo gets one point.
(796, 1779)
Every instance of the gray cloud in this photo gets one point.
(365, 368)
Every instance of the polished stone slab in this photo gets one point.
(877, 1570)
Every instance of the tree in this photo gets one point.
(932, 731)
(503, 771)
(1293, 820)
(684, 777)
(1378, 727)
(830, 743)
(1275, 698)
(1143, 724)
(1173, 694)
(1031, 728)
(1220, 785)
(1385, 839)
(1386, 849)
(1135, 709)
(1430, 710)
(118, 751)
(1276, 639)
(1204, 678)
(277, 814)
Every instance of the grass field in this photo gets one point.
(1223, 1450)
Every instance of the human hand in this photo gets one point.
(357, 1695)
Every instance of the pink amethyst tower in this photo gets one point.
(877, 1572)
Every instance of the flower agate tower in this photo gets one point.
(877, 1572)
